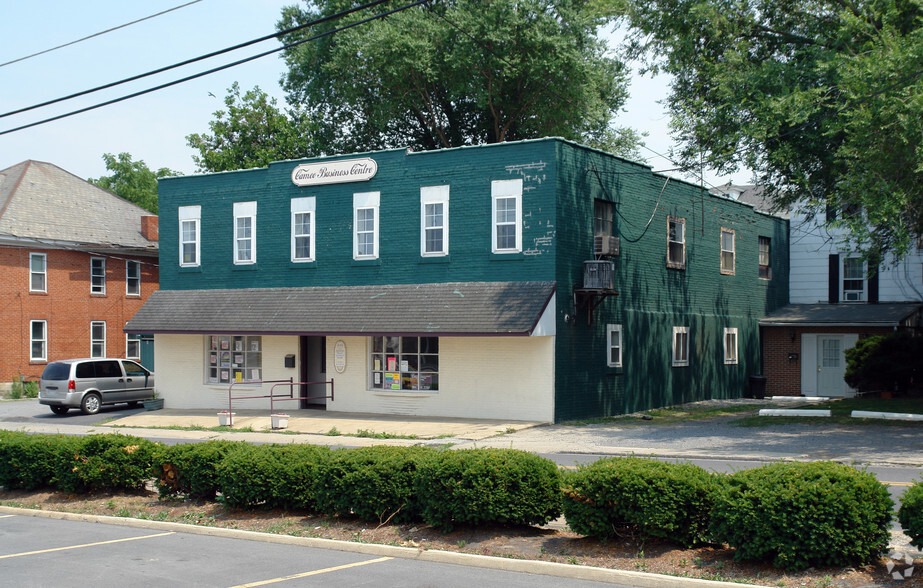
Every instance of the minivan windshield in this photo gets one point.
(56, 371)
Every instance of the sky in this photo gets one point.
(153, 127)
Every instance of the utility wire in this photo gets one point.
(220, 68)
(122, 26)
(200, 58)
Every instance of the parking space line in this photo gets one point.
(84, 545)
(313, 573)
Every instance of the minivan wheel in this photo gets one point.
(90, 404)
(59, 409)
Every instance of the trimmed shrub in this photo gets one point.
(797, 515)
(28, 461)
(190, 469)
(373, 483)
(650, 497)
(105, 462)
(271, 476)
(476, 486)
(885, 362)
(910, 514)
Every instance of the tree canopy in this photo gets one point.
(457, 72)
(132, 180)
(822, 98)
(252, 132)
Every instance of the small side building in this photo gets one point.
(537, 280)
(76, 262)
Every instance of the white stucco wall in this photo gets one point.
(479, 377)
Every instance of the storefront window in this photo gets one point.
(233, 358)
(404, 363)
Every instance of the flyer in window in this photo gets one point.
(392, 380)
(392, 364)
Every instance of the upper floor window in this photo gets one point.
(602, 218)
(189, 217)
(244, 232)
(434, 220)
(727, 251)
(98, 339)
(680, 346)
(38, 337)
(853, 279)
(506, 211)
(132, 278)
(303, 228)
(730, 345)
(676, 242)
(365, 222)
(97, 275)
(38, 278)
(764, 250)
(614, 345)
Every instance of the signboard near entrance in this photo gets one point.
(339, 357)
(335, 172)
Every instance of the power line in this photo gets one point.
(122, 26)
(200, 58)
(223, 67)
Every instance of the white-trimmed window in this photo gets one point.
(132, 278)
(404, 363)
(506, 212)
(765, 246)
(133, 346)
(38, 340)
(189, 217)
(244, 233)
(97, 275)
(303, 228)
(853, 279)
(680, 346)
(233, 358)
(727, 251)
(676, 242)
(730, 345)
(98, 339)
(38, 272)
(434, 221)
(614, 345)
(365, 222)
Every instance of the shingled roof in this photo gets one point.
(858, 315)
(460, 309)
(43, 203)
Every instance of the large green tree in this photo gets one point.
(132, 180)
(457, 72)
(822, 98)
(252, 132)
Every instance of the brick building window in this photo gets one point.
(38, 340)
(189, 217)
(132, 278)
(244, 232)
(233, 358)
(38, 278)
(676, 242)
(730, 345)
(680, 346)
(434, 221)
(97, 275)
(764, 249)
(98, 339)
(404, 363)
(727, 251)
(614, 346)
(366, 223)
(506, 212)
(303, 229)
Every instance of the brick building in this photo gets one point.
(76, 262)
(537, 280)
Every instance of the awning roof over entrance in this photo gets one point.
(845, 315)
(453, 309)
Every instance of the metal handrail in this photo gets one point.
(272, 396)
(291, 395)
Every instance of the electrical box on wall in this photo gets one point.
(289, 361)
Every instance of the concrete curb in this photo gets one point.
(632, 578)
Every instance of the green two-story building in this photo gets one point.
(539, 280)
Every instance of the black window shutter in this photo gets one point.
(833, 279)
(873, 285)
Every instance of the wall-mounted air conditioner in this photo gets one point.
(603, 245)
(598, 275)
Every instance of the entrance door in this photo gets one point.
(314, 369)
(831, 366)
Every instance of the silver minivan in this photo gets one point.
(88, 384)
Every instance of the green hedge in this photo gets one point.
(190, 469)
(104, 462)
(910, 514)
(271, 476)
(477, 486)
(797, 515)
(657, 499)
(373, 483)
(29, 461)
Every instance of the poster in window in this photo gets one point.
(224, 344)
(426, 382)
(377, 378)
(255, 375)
(392, 364)
(392, 380)
(213, 359)
(238, 345)
(377, 364)
(214, 342)
(238, 358)
(225, 359)
(238, 375)
(405, 365)
(255, 345)
(224, 376)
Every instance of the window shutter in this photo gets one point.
(873, 285)
(833, 279)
